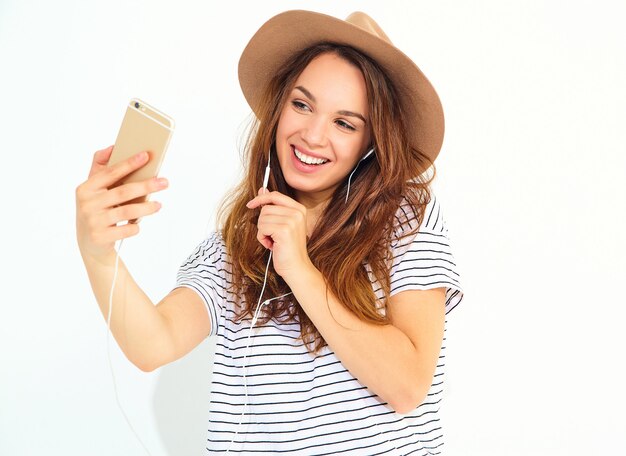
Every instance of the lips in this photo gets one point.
(304, 167)
(301, 151)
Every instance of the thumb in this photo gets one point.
(100, 160)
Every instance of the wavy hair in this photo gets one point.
(346, 236)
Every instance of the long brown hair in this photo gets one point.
(346, 235)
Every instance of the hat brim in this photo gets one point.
(292, 31)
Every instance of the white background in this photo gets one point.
(531, 179)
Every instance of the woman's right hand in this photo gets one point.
(96, 211)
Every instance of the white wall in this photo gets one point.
(531, 177)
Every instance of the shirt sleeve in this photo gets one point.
(203, 272)
(424, 260)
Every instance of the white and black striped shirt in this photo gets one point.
(304, 404)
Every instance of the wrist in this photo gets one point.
(304, 276)
(105, 258)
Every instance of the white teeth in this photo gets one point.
(307, 159)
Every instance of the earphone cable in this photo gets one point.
(245, 381)
(371, 151)
(117, 257)
(246, 352)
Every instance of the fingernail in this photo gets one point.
(162, 182)
(248, 204)
(141, 156)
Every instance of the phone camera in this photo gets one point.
(136, 105)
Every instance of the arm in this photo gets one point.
(136, 325)
(396, 361)
(150, 336)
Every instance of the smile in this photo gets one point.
(307, 158)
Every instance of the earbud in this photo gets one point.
(369, 152)
(266, 178)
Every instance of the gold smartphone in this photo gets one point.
(143, 128)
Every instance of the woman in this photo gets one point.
(345, 354)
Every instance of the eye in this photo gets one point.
(345, 125)
(300, 106)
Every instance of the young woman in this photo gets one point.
(328, 290)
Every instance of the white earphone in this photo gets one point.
(259, 304)
(117, 257)
(266, 179)
(369, 152)
(253, 322)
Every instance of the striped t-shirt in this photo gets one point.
(304, 404)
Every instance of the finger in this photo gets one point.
(272, 225)
(267, 226)
(130, 191)
(272, 209)
(100, 159)
(115, 233)
(286, 215)
(275, 198)
(266, 222)
(274, 230)
(131, 212)
(265, 241)
(109, 175)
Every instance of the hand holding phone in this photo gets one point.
(144, 128)
(117, 187)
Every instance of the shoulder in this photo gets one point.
(210, 251)
(412, 217)
(422, 256)
(214, 241)
(216, 238)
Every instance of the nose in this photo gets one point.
(314, 131)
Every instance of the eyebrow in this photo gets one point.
(343, 112)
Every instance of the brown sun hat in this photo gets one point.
(292, 31)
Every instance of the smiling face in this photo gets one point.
(325, 118)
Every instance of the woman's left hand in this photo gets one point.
(282, 228)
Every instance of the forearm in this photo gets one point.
(381, 357)
(136, 324)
